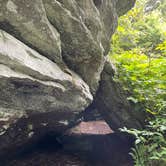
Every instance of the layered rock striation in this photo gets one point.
(52, 62)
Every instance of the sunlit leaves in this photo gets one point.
(139, 53)
(145, 76)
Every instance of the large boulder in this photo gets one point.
(112, 103)
(77, 31)
(28, 22)
(35, 92)
(52, 59)
(80, 28)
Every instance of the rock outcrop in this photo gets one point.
(112, 104)
(37, 90)
(52, 63)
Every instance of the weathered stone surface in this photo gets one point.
(113, 105)
(83, 28)
(27, 21)
(91, 127)
(31, 84)
(108, 14)
(80, 28)
(43, 44)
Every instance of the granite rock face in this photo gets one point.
(37, 90)
(27, 21)
(52, 54)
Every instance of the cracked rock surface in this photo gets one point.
(52, 60)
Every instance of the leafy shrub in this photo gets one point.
(139, 54)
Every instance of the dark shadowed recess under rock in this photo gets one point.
(77, 149)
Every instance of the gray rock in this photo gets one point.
(43, 44)
(83, 28)
(109, 17)
(80, 28)
(27, 21)
(32, 85)
(113, 105)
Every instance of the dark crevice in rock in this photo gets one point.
(91, 113)
(97, 3)
(27, 133)
(49, 142)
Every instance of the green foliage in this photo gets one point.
(150, 144)
(140, 30)
(139, 54)
(145, 76)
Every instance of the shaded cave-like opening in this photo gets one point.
(78, 147)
